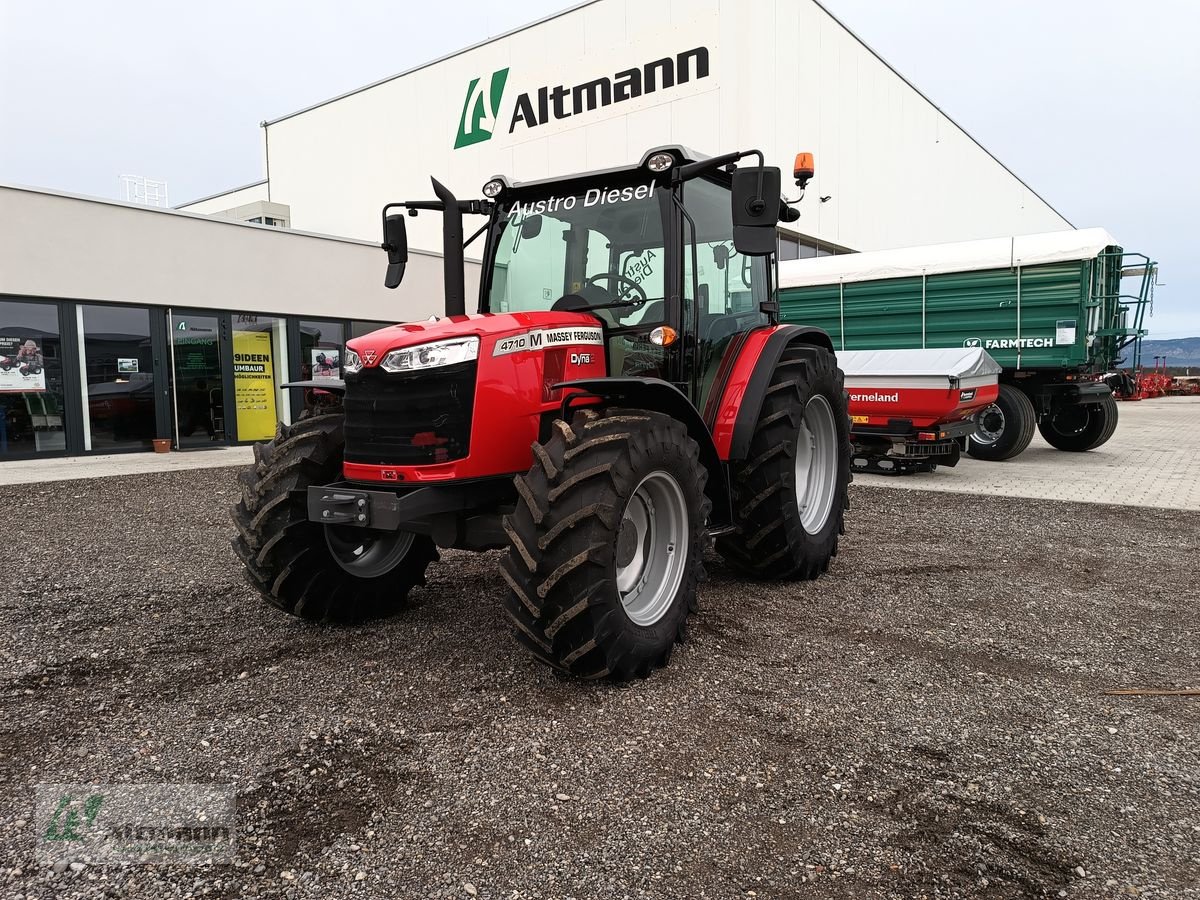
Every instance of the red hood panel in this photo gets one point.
(376, 344)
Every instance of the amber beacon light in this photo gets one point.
(803, 170)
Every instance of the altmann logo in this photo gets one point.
(478, 119)
(533, 108)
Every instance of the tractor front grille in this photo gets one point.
(409, 420)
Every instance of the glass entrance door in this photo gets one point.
(119, 370)
(196, 388)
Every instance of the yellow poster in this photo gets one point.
(254, 385)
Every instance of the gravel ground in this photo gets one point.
(927, 720)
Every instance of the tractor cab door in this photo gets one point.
(723, 290)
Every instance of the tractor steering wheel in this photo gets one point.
(636, 288)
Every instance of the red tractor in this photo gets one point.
(624, 396)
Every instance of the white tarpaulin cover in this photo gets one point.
(963, 256)
(949, 362)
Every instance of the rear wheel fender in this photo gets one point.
(751, 400)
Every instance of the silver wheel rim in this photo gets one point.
(367, 552)
(652, 548)
(816, 464)
(989, 425)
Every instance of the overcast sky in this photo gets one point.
(1095, 103)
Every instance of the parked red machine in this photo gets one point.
(623, 397)
(1147, 385)
(913, 410)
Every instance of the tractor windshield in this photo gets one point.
(599, 249)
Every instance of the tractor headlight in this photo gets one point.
(352, 362)
(431, 356)
(660, 162)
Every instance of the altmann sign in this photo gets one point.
(481, 109)
(478, 119)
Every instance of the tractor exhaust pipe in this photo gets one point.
(452, 250)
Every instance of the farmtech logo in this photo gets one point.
(1009, 343)
(478, 119)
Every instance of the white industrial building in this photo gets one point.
(600, 83)
(183, 325)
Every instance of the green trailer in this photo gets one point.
(1050, 308)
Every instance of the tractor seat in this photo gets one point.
(720, 327)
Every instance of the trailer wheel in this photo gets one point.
(1082, 427)
(320, 573)
(606, 544)
(1005, 428)
(790, 494)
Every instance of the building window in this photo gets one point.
(358, 329)
(118, 368)
(322, 347)
(32, 409)
(795, 246)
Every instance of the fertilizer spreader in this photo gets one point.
(913, 410)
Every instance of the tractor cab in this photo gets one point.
(673, 257)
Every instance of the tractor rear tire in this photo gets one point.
(1080, 428)
(1005, 428)
(791, 493)
(291, 561)
(606, 544)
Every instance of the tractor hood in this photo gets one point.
(498, 333)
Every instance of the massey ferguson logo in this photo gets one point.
(369, 356)
(481, 109)
(542, 339)
(478, 119)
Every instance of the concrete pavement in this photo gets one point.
(1153, 460)
(34, 471)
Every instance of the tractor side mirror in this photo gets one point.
(755, 206)
(531, 227)
(395, 242)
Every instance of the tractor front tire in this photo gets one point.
(1004, 429)
(1080, 428)
(294, 563)
(791, 492)
(606, 544)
